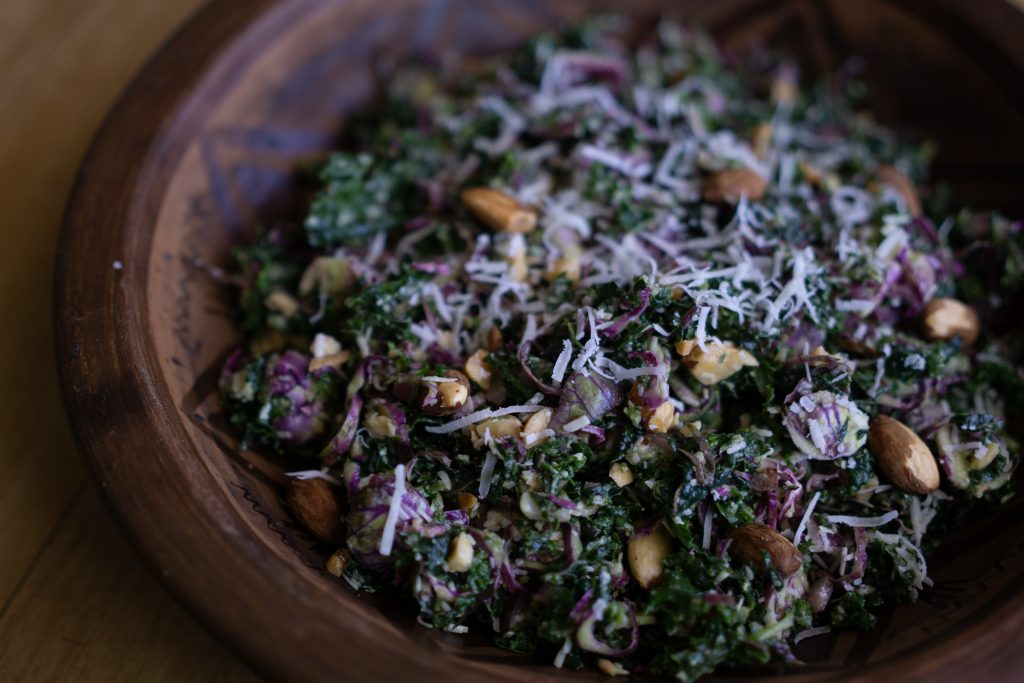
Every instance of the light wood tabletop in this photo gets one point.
(76, 601)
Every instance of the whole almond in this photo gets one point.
(500, 211)
(888, 175)
(902, 456)
(316, 508)
(750, 542)
(731, 184)
(944, 319)
(646, 555)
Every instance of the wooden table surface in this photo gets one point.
(76, 602)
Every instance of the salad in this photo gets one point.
(631, 354)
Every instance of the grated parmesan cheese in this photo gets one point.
(864, 521)
(799, 535)
(387, 537)
(487, 471)
(562, 363)
(303, 475)
(706, 538)
(480, 416)
(577, 424)
(811, 632)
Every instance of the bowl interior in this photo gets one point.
(279, 93)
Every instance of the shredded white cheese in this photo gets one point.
(577, 424)
(706, 539)
(480, 416)
(864, 522)
(563, 652)
(799, 535)
(817, 435)
(303, 475)
(387, 537)
(562, 362)
(736, 446)
(811, 632)
(487, 471)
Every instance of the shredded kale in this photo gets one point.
(366, 194)
(851, 612)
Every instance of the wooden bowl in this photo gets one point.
(205, 144)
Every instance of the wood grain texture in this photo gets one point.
(88, 612)
(206, 142)
(76, 603)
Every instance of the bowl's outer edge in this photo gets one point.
(103, 360)
(117, 153)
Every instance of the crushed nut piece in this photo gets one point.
(535, 428)
(460, 558)
(498, 427)
(336, 563)
(478, 369)
(718, 362)
(621, 474)
(282, 302)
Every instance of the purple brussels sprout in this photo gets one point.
(585, 396)
(825, 425)
(963, 453)
(368, 514)
(602, 618)
(290, 402)
(307, 416)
